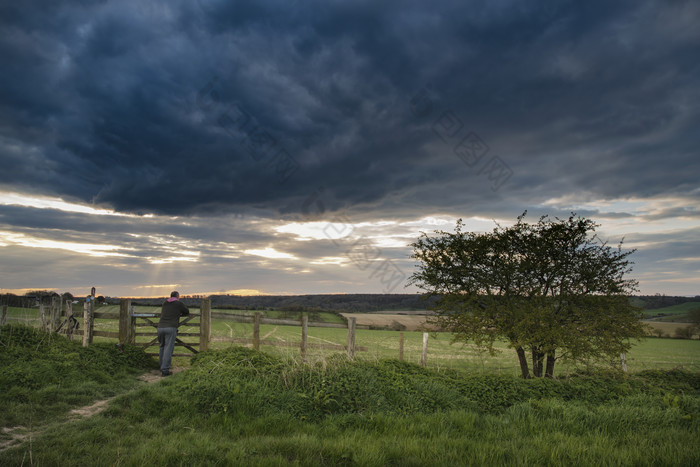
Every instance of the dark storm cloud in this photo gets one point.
(122, 103)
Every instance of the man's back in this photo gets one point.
(171, 312)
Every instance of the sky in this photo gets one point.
(299, 147)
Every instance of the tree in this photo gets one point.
(41, 296)
(550, 288)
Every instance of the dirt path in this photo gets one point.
(269, 333)
(323, 340)
(18, 435)
(21, 434)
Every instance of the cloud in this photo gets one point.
(231, 121)
(559, 91)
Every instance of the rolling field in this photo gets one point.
(668, 329)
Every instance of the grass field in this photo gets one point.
(651, 353)
(668, 329)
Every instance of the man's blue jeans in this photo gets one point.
(166, 339)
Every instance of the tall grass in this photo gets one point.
(242, 407)
(43, 374)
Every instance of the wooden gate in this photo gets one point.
(131, 322)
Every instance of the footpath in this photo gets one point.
(19, 435)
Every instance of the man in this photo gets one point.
(170, 314)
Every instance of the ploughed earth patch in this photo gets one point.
(412, 320)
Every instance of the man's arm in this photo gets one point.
(184, 311)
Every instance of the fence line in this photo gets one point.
(128, 325)
(257, 319)
(129, 322)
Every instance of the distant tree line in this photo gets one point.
(653, 302)
(33, 298)
(346, 303)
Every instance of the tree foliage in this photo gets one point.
(551, 288)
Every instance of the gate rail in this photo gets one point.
(129, 321)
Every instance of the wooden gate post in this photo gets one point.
(3, 319)
(351, 337)
(126, 334)
(256, 330)
(401, 346)
(304, 335)
(623, 361)
(424, 355)
(205, 325)
(132, 321)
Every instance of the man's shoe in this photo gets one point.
(165, 373)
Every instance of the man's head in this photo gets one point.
(174, 295)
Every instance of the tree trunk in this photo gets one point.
(549, 372)
(523, 362)
(537, 358)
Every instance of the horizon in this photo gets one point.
(194, 296)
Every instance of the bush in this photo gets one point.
(252, 383)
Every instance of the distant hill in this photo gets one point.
(348, 303)
(351, 303)
(653, 302)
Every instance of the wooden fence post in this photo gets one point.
(623, 360)
(42, 312)
(55, 312)
(401, 346)
(3, 319)
(126, 335)
(52, 315)
(351, 337)
(205, 325)
(88, 320)
(424, 355)
(69, 314)
(256, 330)
(304, 335)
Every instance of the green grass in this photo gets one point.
(675, 313)
(442, 354)
(241, 407)
(45, 374)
